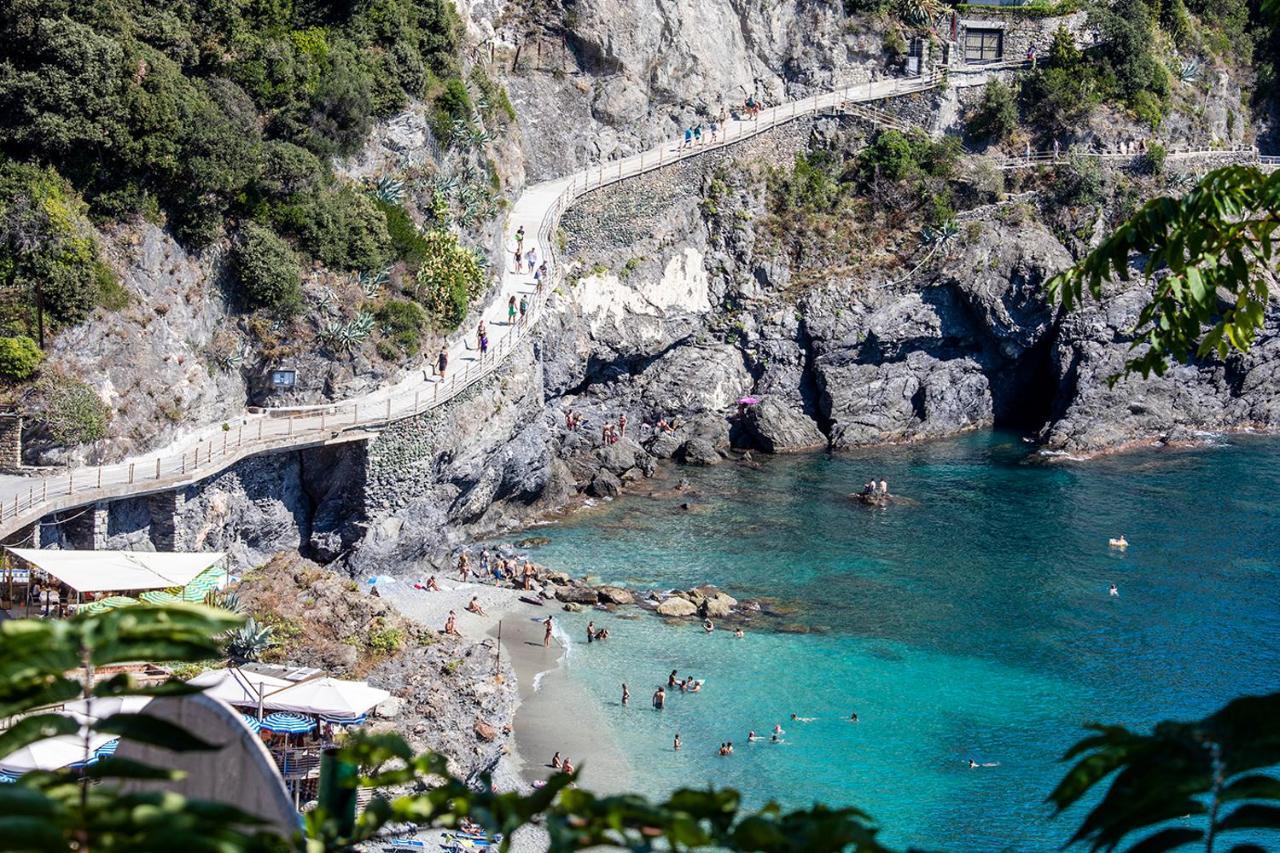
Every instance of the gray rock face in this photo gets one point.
(775, 427)
(605, 485)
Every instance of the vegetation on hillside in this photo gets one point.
(221, 120)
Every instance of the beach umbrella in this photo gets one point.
(254, 724)
(237, 686)
(107, 749)
(52, 753)
(381, 579)
(288, 723)
(338, 720)
(204, 583)
(7, 779)
(333, 696)
(161, 596)
(105, 706)
(102, 605)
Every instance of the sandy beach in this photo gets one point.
(555, 713)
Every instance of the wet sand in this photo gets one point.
(559, 715)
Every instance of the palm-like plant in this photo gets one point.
(372, 281)
(389, 190)
(249, 641)
(345, 337)
(1189, 71)
(918, 13)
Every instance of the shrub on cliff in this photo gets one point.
(401, 323)
(449, 278)
(996, 116)
(19, 357)
(69, 410)
(267, 268)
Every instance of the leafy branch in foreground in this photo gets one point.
(1194, 781)
(1210, 254)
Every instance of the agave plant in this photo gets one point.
(344, 337)
(224, 600)
(371, 282)
(1189, 72)
(918, 13)
(389, 190)
(232, 359)
(940, 236)
(249, 641)
(327, 300)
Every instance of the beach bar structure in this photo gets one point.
(101, 576)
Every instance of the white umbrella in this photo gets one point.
(105, 707)
(52, 753)
(331, 696)
(238, 686)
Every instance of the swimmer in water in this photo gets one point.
(802, 719)
(752, 737)
(737, 633)
(773, 738)
(676, 743)
(1114, 591)
(973, 764)
(777, 728)
(708, 625)
(853, 717)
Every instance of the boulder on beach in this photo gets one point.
(677, 606)
(717, 605)
(576, 594)
(615, 595)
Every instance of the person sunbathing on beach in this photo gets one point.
(432, 584)
(555, 761)
(451, 624)
(474, 606)
(567, 767)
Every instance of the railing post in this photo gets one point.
(388, 410)
(157, 467)
(99, 476)
(290, 426)
(130, 472)
(322, 420)
(259, 439)
(240, 436)
(71, 477)
(44, 489)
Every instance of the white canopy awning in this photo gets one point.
(331, 696)
(239, 686)
(118, 571)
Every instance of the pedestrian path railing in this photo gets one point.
(220, 446)
(1064, 155)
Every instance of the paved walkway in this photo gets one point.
(207, 450)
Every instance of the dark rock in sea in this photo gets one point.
(577, 594)
(775, 427)
(699, 451)
(532, 542)
(573, 607)
(793, 628)
(878, 499)
(605, 484)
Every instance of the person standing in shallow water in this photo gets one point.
(591, 631)
(659, 699)
(626, 695)
(546, 638)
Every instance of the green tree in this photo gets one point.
(996, 115)
(19, 357)
(267, 268)
(402, 323)
(1208, 256)
(47, 249)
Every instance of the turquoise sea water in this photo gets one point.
(975, 623)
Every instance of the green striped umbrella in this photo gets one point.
(161, 596)
(200, 586)
(102, 605)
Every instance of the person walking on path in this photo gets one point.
(540, 277)
(697, 134)
(531, 258)
(484, 346)
(520, 239)
(442, 362)
(524, 307)
(519, 260)
(688, 138)
(511, 310)
(714, 127)
(480, 335)
(622, 424)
